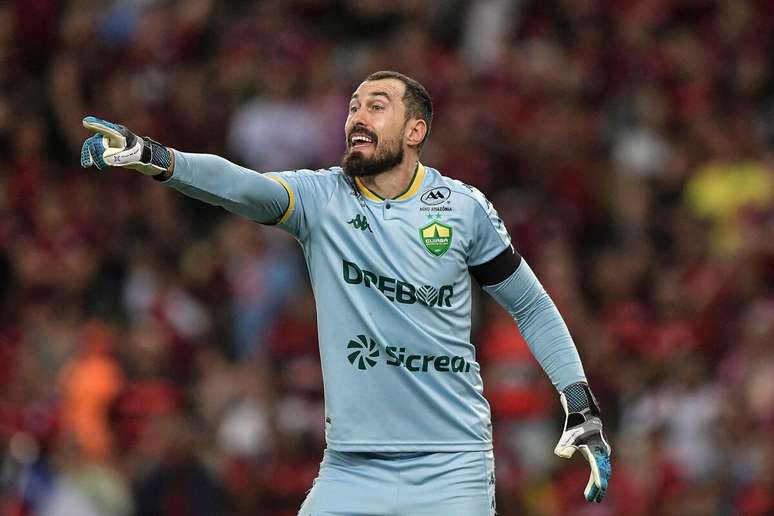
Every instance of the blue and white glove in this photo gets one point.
(583, 431)
(114, 145)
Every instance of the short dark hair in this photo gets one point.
(416, 99)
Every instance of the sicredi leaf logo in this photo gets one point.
(363, 352)
(436, 195)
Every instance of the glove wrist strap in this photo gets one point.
(153, 153)
(580, 399)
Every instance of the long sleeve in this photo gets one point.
(217, 181)
(541, 325)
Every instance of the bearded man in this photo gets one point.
(391, 245)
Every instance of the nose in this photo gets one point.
(358, 118)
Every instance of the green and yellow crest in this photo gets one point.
(436, 237)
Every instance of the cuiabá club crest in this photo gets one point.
(436, 237)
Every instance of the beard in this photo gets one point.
(355, 164)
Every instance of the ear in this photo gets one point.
(416, 129)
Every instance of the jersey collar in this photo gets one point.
(413, 188)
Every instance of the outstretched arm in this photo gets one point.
(217, 181)
(206, 177)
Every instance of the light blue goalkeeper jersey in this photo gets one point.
(393, 295)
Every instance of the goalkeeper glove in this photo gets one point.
(583, 431)
(116, 146)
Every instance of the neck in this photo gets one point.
(393, 182)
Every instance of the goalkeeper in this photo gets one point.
(391, 245)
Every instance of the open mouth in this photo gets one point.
(360, 141)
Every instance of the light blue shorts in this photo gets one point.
(403, 484)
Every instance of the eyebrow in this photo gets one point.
(382, 93)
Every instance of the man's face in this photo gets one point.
(375, 128)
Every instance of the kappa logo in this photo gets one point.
(360, 222)
(435, 195)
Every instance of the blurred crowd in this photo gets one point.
(158, 356)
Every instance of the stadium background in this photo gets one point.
(158, 356)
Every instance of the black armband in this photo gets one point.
(498, 269)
